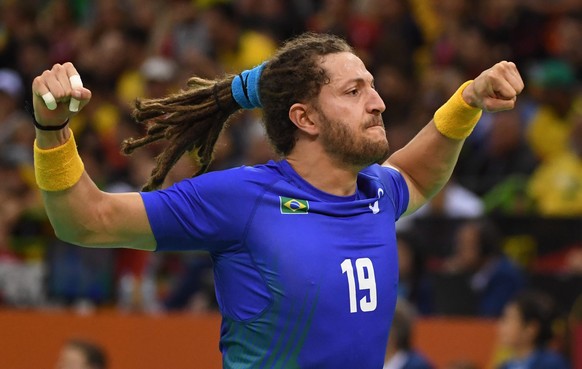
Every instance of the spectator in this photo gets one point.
(15, 133)
(82, 354)
(398, 37)
(493, 277)
(281, 19)
(21, 276)
(399, 352)
(234, 47)
(510, 25)
(553, 84)
(556, 185)
(340, 17)
(498, 153)
(526, 327)
(413, 285)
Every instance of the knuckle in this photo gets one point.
(503, 66)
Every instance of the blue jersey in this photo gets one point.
(304, 279)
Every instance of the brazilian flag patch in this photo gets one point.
(293, 206)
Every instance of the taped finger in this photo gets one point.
(76, 83)
(49, 101)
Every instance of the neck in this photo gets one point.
(322, 171)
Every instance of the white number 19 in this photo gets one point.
(366, 281)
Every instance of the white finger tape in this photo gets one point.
(49, 101)
(74, 105)
(76, 82)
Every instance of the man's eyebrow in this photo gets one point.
(358, 80)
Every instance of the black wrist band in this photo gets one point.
(49, 128)
(28, 108)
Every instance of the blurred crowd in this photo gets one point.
(525, 163)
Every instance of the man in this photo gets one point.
(399, 353)
(304, 249)
(80, 354)
(493, 279)
(526, 328)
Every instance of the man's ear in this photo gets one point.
(301, 115)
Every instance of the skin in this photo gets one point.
(515, 334)
(467, 254)
(72, 358)
(86, 216)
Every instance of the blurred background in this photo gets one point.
(510, 220)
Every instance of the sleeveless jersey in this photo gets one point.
(304, 279)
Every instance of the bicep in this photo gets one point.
(426, 163)
(415, 196)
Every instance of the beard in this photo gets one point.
(350, 146)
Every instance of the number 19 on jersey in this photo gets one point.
(366, 281)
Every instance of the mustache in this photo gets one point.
(375, 122)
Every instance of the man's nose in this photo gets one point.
(376, 104)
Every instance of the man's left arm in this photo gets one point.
(427, 161)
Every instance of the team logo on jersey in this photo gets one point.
(293, 206)
(375, 207)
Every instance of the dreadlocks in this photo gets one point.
(189, 120)
(192, 119)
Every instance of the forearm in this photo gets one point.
(428, 160)
(79, 211)
(69, 210)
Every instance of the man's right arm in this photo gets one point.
(79, 212)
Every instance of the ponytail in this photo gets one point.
(192, 119)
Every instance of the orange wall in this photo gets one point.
(31, 340)
(446, 340)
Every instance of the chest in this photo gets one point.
(339, 249)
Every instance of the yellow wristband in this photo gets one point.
(456, 119)
(58, 168)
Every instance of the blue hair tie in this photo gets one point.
(245, 88)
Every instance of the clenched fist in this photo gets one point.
(496, 88)
(58, 94)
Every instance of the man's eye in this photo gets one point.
(353, 92)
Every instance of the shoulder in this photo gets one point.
(236, 178)
(549, 359)
(387, 175)
(236, 185)
(380, 171)
(392, 182)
